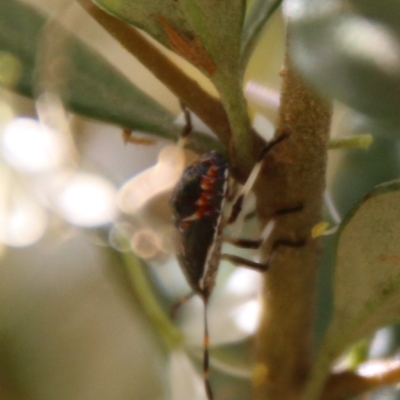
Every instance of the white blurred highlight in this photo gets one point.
(153, 181)
(232, 316)
(369, 41)
(86, 200)
(22, 222)
(262, 95)
(244, 282)
(298, 11)
(31, 147)
(51, 112)
(247, 316)
(263, 127)
(331, 207)
(374, 368)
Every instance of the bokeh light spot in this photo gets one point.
(22, 223)
(145, 243)
(371, 42)
(248, 316)
(244, 282)
(30, 147)
(86, 200)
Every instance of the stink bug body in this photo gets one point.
(198, 204)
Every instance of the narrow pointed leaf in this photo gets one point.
(92, 87)
(257, 17)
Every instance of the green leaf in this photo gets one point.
(349, 49)
(207, 33)
(259, 13)
(150, 15)
(367, 277)
(361, 141)
(92, 86)
(168, 23)
(360, 170)
(219, 25)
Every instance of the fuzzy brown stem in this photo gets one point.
(207, 107)
(295, 176)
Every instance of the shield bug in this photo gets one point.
(198, 204)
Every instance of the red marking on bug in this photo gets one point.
(207, 183)
(184, 225)
(212, 171)
(203, 212)
(201, 202)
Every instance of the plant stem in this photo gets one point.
(241, 145)
(171, 335)
(295, 176)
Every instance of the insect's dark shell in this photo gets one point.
(197, 203)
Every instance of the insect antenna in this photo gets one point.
(187, 128)
(206, 356)
(247, 187)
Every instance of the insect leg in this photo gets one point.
(244, 262)
(177, 305)
(269, 227)
(250, 243)
(237, 205)
(243, 243)
(206, 357)
(288, 210)
(187, 128)
(261, 267)
(206, 341)
(255, 244)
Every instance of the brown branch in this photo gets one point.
(347, 384)
(295, 176)
(207, 107)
